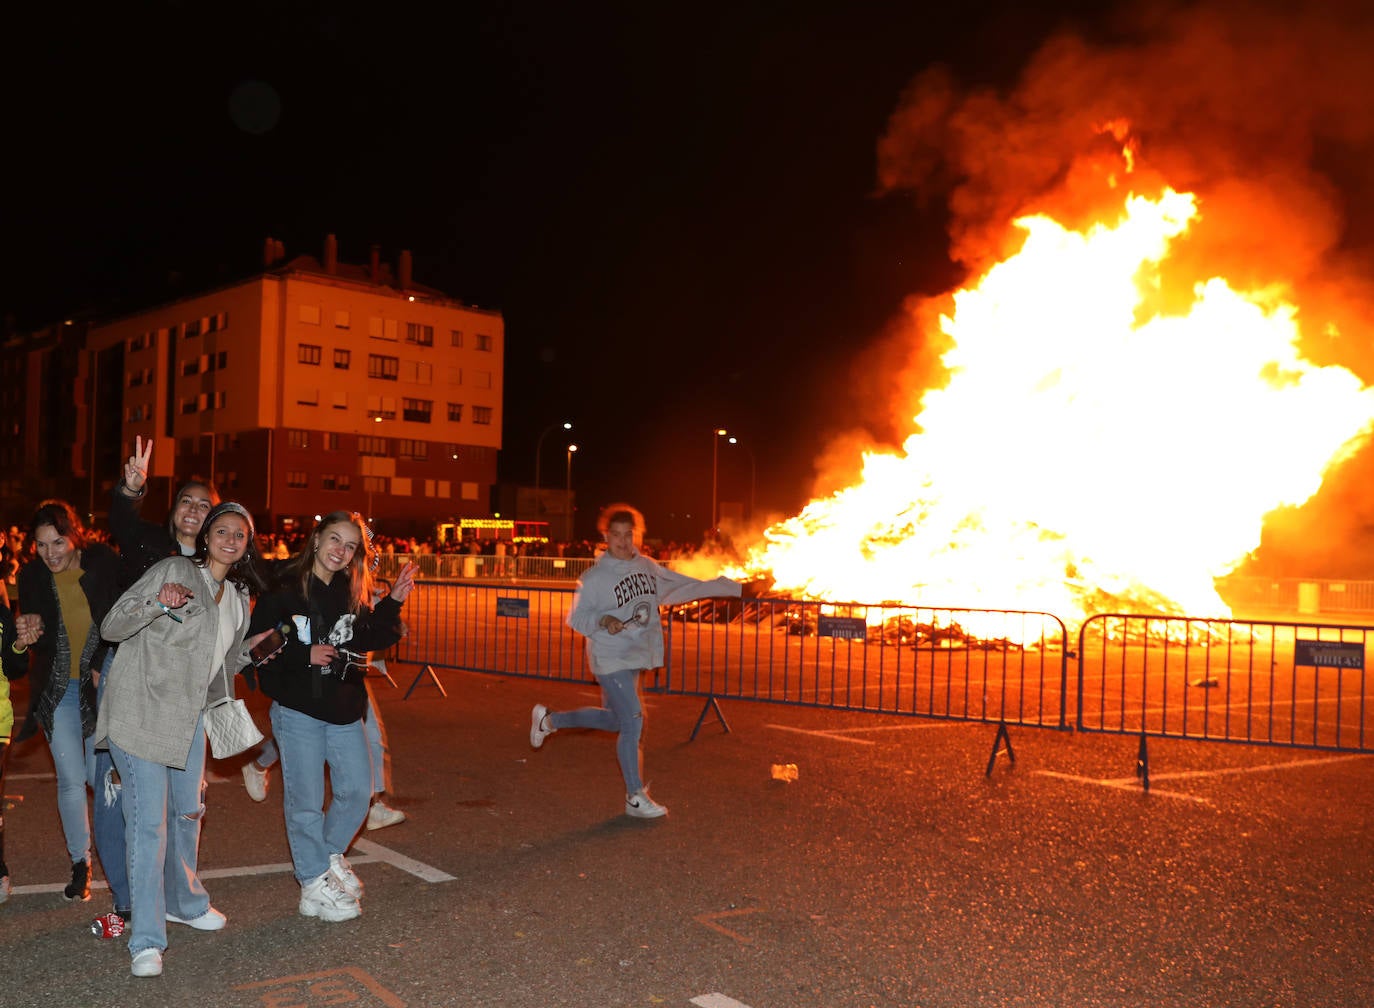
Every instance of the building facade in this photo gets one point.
(313, 386)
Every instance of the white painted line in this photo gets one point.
(820, 734)
(372, 853)
(1125, 784)
(716, 1001)
(417, 868)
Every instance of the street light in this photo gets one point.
(367, 477)
(716, 435)
(538, 448)
(736, 441)
(567, 501)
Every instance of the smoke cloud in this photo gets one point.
(1261, 109)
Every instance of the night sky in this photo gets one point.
(676, 207)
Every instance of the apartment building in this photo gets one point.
(312, 386)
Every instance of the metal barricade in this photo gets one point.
(1299, 685)
(995, 666)
(498, 628)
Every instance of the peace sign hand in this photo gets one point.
(136, 469)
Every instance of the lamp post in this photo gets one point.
(538, 448)
(367, 477)
(716, 435)
(567, 501)
(736, 441)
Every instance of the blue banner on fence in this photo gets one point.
(518, 608)
(845, 627)
(1328, 654)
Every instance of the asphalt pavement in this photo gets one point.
(890, 872)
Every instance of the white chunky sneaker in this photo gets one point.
(147, 963)
(324, 897)
(380, 815)
(255, 780)
(343, 871)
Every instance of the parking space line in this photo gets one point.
(820, 734)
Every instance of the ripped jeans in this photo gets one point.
(163, 809)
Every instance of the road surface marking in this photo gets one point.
(1131, 783)
(331, 987)
(709, 920)
(716, 1001)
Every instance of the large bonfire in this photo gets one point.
(1124, 390)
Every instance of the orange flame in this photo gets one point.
(1091, 450)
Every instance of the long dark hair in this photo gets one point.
(243, 571)
(359, 571)
(195, 481)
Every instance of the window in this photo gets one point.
(400, 486)
(382, 329)
(468, 491)
(191, 328)
(455, 376)
(481, 379)
(308, 397)
(341, 320)
(420, 335)
(415, 371)
(135, 379)
(385, 368)
(331, 441)
(375, 484)
(342, 358)
(417, 410)
(336, 481)
(308, 353)
(484, 342)
(297, 479)
(298, 439)
(340, 399)
(190, 367)
(215, 361)
(455, 411)
(381, 408)
(455, 337)
(186, 407)
(309, 314)
(481, 414)
(373, 446)
(417, 450)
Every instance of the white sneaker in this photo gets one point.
(343, 871)
(540, 729)
(641, 806)
(147, 963)
(380, 816)
(255, 780)
(210, 920)
(324, 897)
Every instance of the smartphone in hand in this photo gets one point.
(267, 647)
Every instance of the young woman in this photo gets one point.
(141, 544)
(617, 609)
(319, 699)
(182, 628)
(68, 586)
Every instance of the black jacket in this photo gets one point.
(141, 543)
(335, 695)
(100, 582)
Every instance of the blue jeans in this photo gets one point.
(109, 811)
(163, 809)
(307, 745)
(622, 713)
(69, 753)
(377, 749)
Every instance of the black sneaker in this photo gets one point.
(79, 888)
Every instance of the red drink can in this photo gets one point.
(109, 925)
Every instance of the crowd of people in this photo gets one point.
(133, 641)
(132, 644)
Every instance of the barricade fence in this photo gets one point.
(1299, 685)
(482, 567)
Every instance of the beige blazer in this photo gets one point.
(165, 672)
